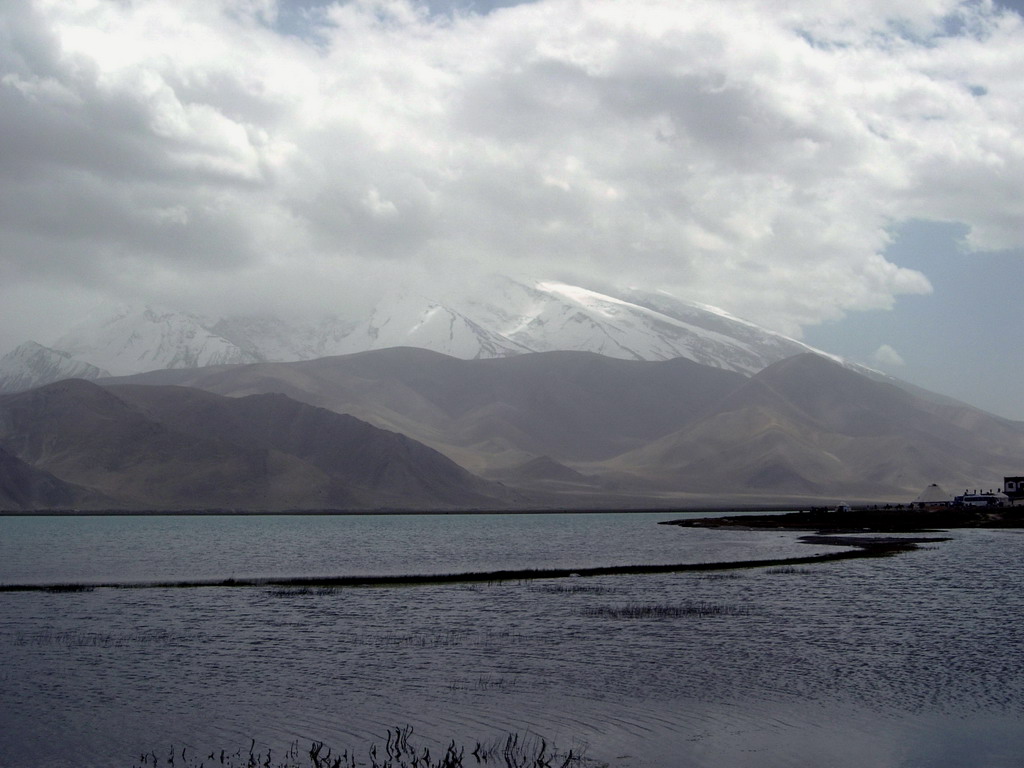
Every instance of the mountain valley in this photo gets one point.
(407, 428)
(519, 395)
(174, 448)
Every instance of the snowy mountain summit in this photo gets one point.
(127, 339)
(502, 317)
(634, 325)
(499, 317)
(32, 365)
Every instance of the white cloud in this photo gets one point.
(887, 357)
(747, 156)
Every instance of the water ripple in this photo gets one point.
(899, 662)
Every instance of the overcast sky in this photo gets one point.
(849, 173)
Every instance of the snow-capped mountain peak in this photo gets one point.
(32, 365)
(636, 326)
(498, 317)
(127, 338)
(415, 320)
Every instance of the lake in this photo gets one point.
(912, 660)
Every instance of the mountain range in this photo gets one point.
(803, 427)
(407, 428)
(519, 396)
(75, 443)
(500, 317)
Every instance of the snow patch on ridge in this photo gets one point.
(498, 317)
(132, 339)
(32, 365)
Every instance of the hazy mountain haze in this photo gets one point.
(307, 157)
(590, 429)
(497, 317)
(168, 448)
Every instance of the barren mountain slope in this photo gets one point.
(571, 406)
(24, 487)
(387, 467)
(177, 448)
(83, 434)
(809, 426)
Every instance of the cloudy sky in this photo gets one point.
(850, 173)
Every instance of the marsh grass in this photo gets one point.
(697, 609)
(300, 591)
(480, 586)
(718, 576)
(440, 639)
(530, 751)
(790, 570)
(68, 588)
(398, 751)
(862, 547)
(444, 639)
(485, 684)
(569, 589)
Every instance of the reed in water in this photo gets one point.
(398, 751)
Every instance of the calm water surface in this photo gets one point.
(914, 660)
(98, 549)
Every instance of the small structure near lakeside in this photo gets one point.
(932, 496)
(1013, 487)
(990, 498)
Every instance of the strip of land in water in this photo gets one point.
(862, 547)
(212, 512)
(870, 520)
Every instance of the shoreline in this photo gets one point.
(869, 520)
(862, 547)
(593, 510)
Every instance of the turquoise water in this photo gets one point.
(913, 660)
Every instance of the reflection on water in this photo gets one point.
(907, 661)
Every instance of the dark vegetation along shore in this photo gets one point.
(858, 547)
(871, 520)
